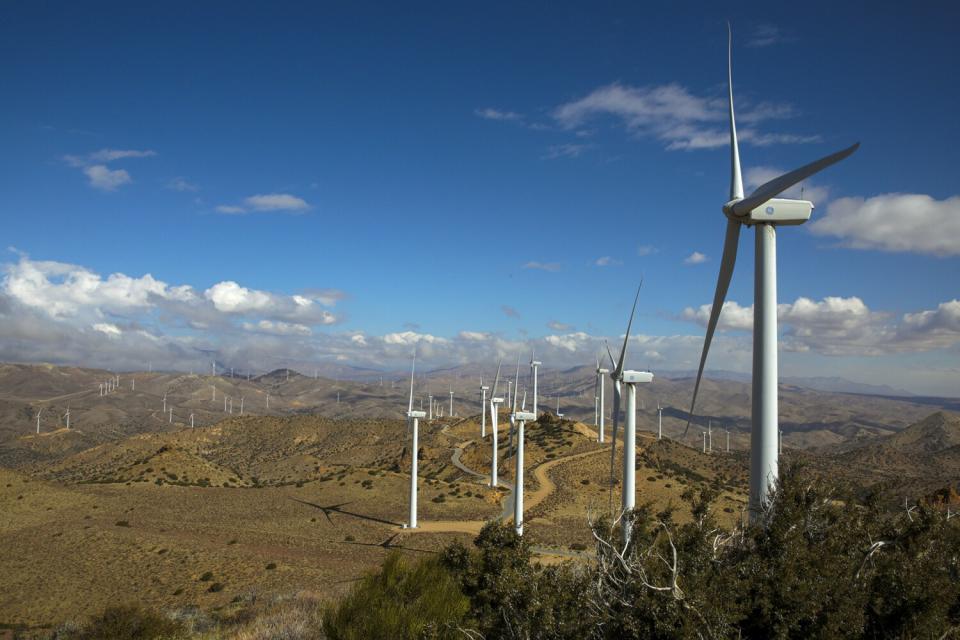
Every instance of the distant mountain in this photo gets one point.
(833, 384)
(920, 459)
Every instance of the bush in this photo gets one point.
(403, 600)
(125, 622)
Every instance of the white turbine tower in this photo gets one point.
(559, 415)
(483, 409)
(430, 406)
(67, 416)
(601, 408)
(520, 418)
(766, 212)
(413, 421)
(659, 422)
(451, 401)
(494, 403)
(631, 379)
(38, 420)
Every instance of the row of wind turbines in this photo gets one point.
(764, 211)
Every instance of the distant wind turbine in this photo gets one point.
(38, 420)
(631, 379)
(483, 409)
(495, 402)
(413, 421)
(534, 367)
(601, 408)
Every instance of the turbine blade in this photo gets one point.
(496, 380)
(516, 386)
(736, 181)
(613, 365)
(775, 187)
(723, 283)
(626, 336)
(412, 369)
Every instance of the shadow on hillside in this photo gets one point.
(338, 508)
(388, 544)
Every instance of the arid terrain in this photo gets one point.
(128, 505)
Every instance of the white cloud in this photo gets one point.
(695, 258)
(646, 250)
(109, 155)
(278, 328)
(677, 117)
(180, 183)
(359, 340)
(100, 176)
(606, 261)
(542, 266)
(106, 179)
(837, 326)
(895, 222)
(65, 291)
(276, 202)
(107, 328)
(230, 297)
(410, 338)
(490, 113)
(266, 202)
(473, 336)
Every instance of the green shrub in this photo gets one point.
(402, 601)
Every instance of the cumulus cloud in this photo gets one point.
(65, 291)
(606, 261)
(896, 222)
(559, 326)
(106, 179)
(109, 155)
(646, 250)
(278, 328)
(283, 202)
(675, 116)
(473, 336)
(695, 258)
(838, 326)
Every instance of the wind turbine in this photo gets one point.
(513, 409)
(766, 212)
(559, 415)
(601, 384)
(413, 420)
(659, 422)
(451, 400)
(38, 420)
(67, 416)
(494, 403)
(631, 379)
(520, 418)
(430, 406)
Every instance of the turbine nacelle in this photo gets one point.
(525, 416)
(779, 211)
(636, 377)
(416, 414)
(496, 400)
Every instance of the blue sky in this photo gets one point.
(418, 169)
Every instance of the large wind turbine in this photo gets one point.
(413, 420)
(631, 379)
(766, 212)
(534, 366)
(483, 409)
(520, 418)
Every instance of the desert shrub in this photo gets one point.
(403, 600)
(206, 577)
(216, 587)
(122, 523)
(124, 622)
